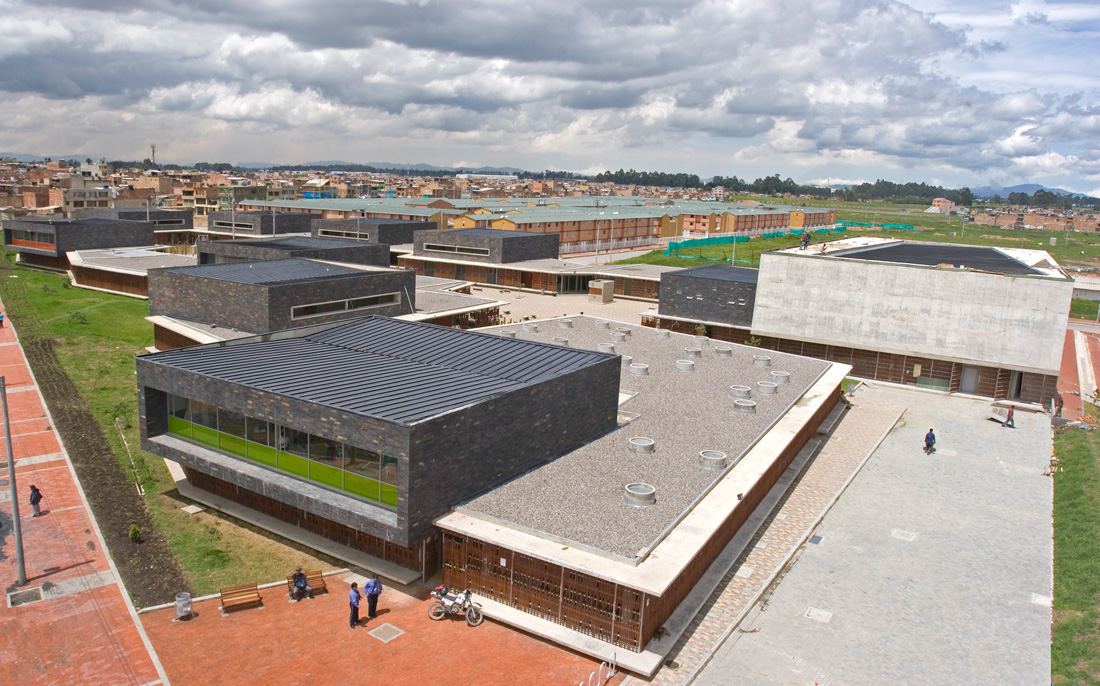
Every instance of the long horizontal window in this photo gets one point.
(460, 249)
(358, 471)
(34, 238)
(354, 235)
(349, 305)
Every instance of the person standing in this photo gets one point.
(1010, 422)
(373, 587)
(36, 499)
(1, 320)
(929, 443)
(353, 602)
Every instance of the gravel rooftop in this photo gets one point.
(578, 497)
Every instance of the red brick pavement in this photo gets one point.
(310, 643)
(862, 429)
(1069, 386)
(89, 635)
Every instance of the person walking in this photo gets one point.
(373, 587)
(36, 499)
(1, 320)
(1010, 422)
(353, 602)
(929, 443)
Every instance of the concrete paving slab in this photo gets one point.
(961, 602)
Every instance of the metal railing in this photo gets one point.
(608, 669)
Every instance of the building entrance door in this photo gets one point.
(969, 381)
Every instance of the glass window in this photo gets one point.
(293, 441)
(178, 407)
(389, 470)
(232, 423)
(260, 431)
(363, 462)
(204, 414)
(318, 308)
(326, 450)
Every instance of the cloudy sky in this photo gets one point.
(958, 92)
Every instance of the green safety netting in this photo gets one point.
(903, 227)
(797, 232)
(674, 247)
(840, 229)
(821, 231)
(854, 224)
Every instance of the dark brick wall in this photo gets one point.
(83, 236)
(280, 298)
(140, 215)
(260, 223)
(463, 453)
(373, 254)
(383, 437)
(260, 309)
(385, 231)
(711, 300)
(502, 249)
(209, 301)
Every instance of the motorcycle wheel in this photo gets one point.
(436, 611)
(474, 616)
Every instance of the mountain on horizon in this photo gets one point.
(1029, 188)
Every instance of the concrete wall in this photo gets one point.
(1011, 322)
(709, 300)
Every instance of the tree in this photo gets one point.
(966, 197)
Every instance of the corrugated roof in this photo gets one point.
(491, 233)
(393, 370)
(722, 272)
(266, 272)
(932, 254)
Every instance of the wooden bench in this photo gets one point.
(315, 579)
(240, 595)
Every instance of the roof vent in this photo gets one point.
(603, 324)
(724, 351)
(740, 392)
(693, 352)
(624, 329)
(640, 495)
(565, 323)
(606, 347)
(627, 359)
(560, 340)
(685, 365)
(663, 333)
(640, 445)
(508, 333)
(702, 340)
(713, 459)
(639, 369)
(618, 336)
(781, 377)
(761, 361)
(766, 387)
(744, 406)
(532, 328)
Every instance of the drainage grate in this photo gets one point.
(816, 540)
(819, 615)
(386, 633)
(31, 595)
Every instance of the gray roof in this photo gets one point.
(722, 272)
(388, 369)
(492, 233)
(303, 243)
(932, 254)
(266, 272)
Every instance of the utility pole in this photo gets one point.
(20, 566)
(153, 154)
(233, 217)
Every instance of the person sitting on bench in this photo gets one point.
(301, 585)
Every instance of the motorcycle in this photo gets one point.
(446, 604)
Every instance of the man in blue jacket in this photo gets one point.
(929, 443)
(373, 587)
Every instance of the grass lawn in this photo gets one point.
(1083, 309)
(99, 334)
(1075, 648)
(1082, 249)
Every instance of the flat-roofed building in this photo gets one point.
(170, 227)
(332, 249)
(238, 224)
(45, 243)
(372, 229)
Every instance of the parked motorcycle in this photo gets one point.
(446, 604)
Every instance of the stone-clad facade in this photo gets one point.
(268, 306)
(162, 220)
(44, 243)
(440, 461)
(713, 293)
(217, 252)
(385, 231)
(490, 246)
(243, 224)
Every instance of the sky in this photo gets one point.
(959, 92)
